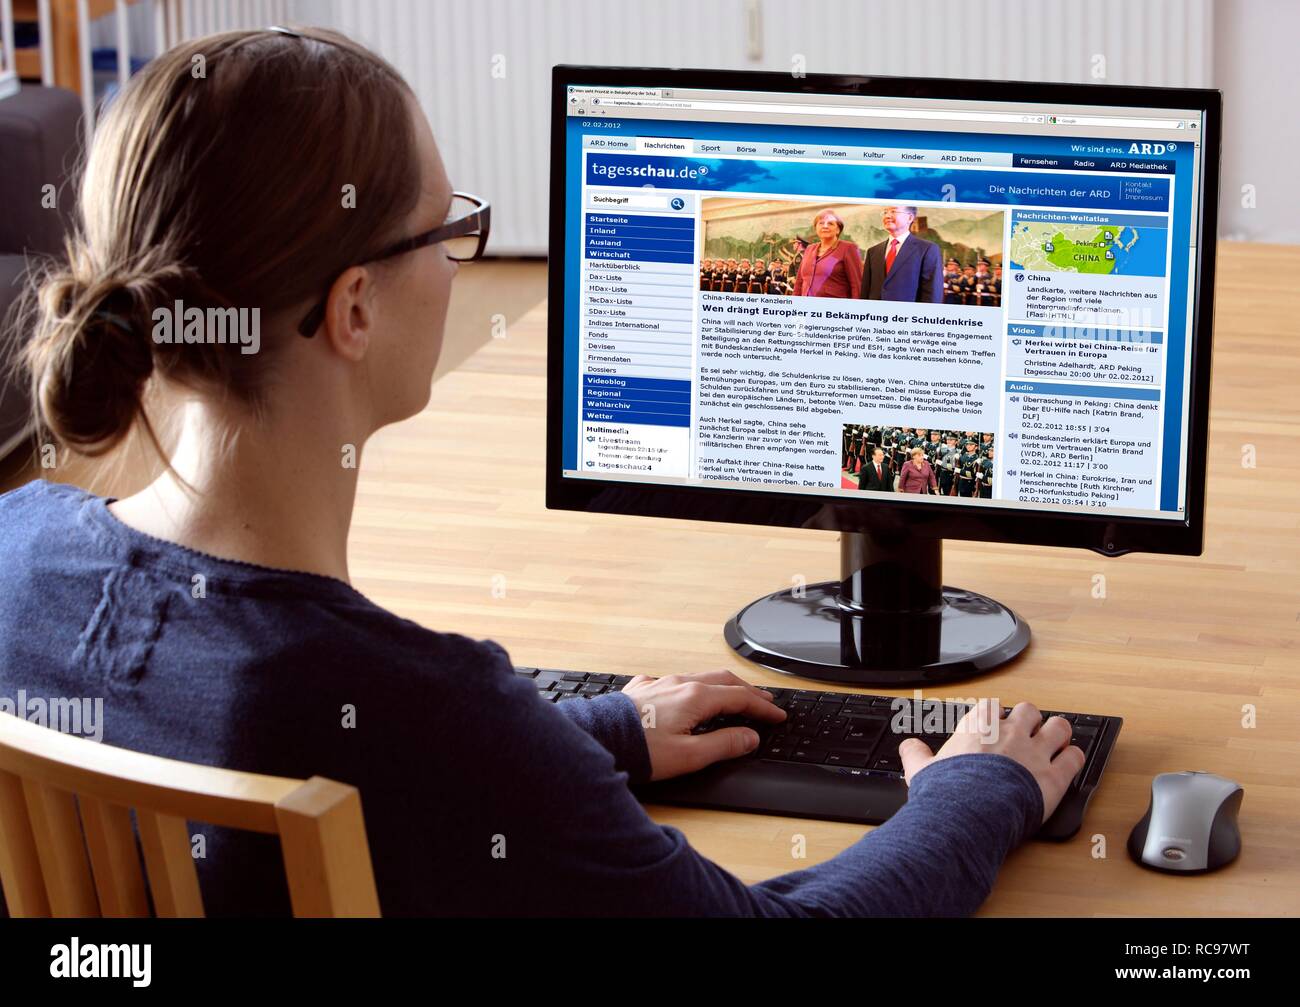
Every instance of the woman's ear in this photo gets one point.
(350, 313)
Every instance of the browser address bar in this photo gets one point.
(837, 110)
(876, 112)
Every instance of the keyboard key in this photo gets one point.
(857, 760)
(567, 686)
(1084, 737)
(574, 676)
(592, 690)
(526, 672)
(864, 733)
(602, 679)
(888, 764)
(810, 755)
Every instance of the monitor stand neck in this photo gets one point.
(888, 621)
(903, 574)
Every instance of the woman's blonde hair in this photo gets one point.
(833, 215)
(219, 177)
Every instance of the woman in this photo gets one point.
(917, 476)
(212, 610)
(833, 267)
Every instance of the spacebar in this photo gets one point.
(780, 788)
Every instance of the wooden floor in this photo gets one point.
(450, 530)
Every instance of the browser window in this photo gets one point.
(976, 303)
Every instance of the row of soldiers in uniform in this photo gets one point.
(962, 462)
(972, 284)
(729, 276)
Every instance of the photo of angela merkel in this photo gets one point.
(916, 475)
(832, 267)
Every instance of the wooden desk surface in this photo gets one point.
(450, 530)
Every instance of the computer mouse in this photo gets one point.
(1190, 826)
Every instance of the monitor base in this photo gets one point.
(889, 622)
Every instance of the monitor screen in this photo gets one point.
(964, 303)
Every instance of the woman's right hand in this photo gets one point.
(1041, 746)
(672, 706)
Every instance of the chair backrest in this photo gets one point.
(67, 846)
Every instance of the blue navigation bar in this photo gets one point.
(1111, 335)
(642, 237)
(655, 401)
(1088, 391)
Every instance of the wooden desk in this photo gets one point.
(450, 530)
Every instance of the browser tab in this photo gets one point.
(662, 145)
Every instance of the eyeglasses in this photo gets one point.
(463, 236)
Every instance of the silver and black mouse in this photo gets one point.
(1190, 826)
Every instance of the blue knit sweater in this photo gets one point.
(479, 798)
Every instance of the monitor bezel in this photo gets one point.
(1107, 534)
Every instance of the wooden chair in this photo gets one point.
(68, 849)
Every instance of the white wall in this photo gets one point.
(481, 67)
(486, 123)
(1256, 67)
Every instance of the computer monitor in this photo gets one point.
(769, 292)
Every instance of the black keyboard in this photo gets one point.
(834, 757)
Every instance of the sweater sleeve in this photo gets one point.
(938, 855)
(581, 844)
(613, 720)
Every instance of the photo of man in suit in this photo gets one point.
(903, 267)
(875, 474)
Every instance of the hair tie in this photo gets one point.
(116, 320)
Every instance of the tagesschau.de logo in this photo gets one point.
(649, 171)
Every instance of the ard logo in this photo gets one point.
(1147, 148)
